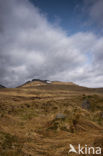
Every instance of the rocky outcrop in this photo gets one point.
(45, 81)
(1, 86)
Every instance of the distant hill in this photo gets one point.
(55, 85)
(39, 82)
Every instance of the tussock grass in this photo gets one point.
(29, 125)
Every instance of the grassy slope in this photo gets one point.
(28, 124)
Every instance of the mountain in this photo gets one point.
(42, 118)
(47, 84)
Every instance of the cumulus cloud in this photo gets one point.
(31, 47)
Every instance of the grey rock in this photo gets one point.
(1, 86)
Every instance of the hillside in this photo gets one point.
(41, 118)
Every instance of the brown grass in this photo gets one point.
(28, 123)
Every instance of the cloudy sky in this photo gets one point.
(51, 39)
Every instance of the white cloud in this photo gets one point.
(31, 47)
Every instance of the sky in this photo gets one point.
(51, 39)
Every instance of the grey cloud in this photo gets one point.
(30, 47)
